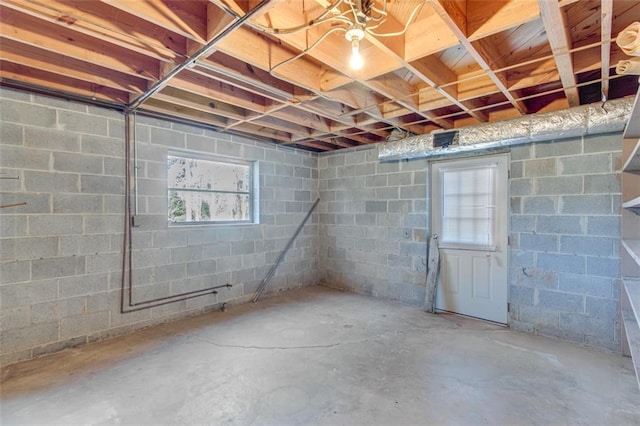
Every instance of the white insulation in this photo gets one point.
(578, 121)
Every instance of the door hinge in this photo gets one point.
(508, 307)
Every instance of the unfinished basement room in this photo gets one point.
(320, 212)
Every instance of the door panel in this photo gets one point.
(469, 214)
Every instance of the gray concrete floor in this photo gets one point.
(322, 357)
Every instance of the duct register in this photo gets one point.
(582, 120)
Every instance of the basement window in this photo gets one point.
(211, 190)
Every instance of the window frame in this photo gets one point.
(252, 192)
(490, 245)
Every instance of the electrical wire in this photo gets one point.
(399, 33)
(305, 51)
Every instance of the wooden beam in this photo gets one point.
(59, 65)
(487, 17)
(455, 19)
(555, 24)
(42, 78)
(34, 32)
(95, 21)
(185, 18)
(201, 85)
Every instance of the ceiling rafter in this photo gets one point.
(449, 63)
(556, 28)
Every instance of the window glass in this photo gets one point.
(468, 206)
(203, 190)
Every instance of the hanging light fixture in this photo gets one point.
(354, 35)
(358, 18)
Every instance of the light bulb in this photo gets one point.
(357, 61)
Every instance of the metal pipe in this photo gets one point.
(126, 285)
(203, 51)
(272, 270)
(203, 291)
(582, 120)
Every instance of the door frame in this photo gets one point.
(455, 158)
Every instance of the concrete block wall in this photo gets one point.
(61, 252)
(565, 232)
(373, 223)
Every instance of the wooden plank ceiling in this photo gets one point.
(279, 69)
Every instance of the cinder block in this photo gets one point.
(389, 193)
(355, 157)
(104, 224)
(521, 152)
(539, 205)
(558, 148)
(557, 224)
(28, 337)
(101, 184)
(168, 138)
(23, 158)
(585, 164)
(376, 180)
(559, 185)
(335, 160)
(82, 325)
(516, 169)
(400, 179)
(28, 248)
(586, 204)
(603, 225)
(113, 166)
(64, 203)
(103, 262)
(603, 328)
(538, 242)
(364, 169)
(591, 246)
(538, 168)
(376, 207)
(602, 184)
(242, 247)
(116, 130)
(13, 226)
(77, 163)
(83, 123)
(11, 134)
(523, 223)
(170, 272)
(561, 302)
(98, 145)
(388, 167)
(57, 267)
(521, 187)
(228, 264)
(587, 285)
(413, 192)
(521, 295)
(169, 238)
(188, 253)
(561, 263)
(82, 285)
(55, 225)
(538, 316)
(608, 142)
(51, 139)
(600, 308)
(29, 114)
(50, 182)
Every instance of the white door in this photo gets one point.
(469, 215)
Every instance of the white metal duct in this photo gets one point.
(582, 120)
